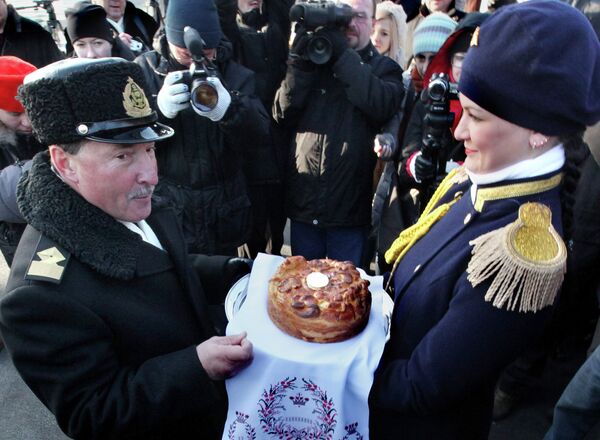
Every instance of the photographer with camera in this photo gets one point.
(337, 94)
(200, 167)
(429, 145)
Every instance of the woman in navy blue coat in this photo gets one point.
(475, 279)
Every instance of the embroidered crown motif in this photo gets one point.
(299, 399)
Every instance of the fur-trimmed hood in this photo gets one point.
(88, 233)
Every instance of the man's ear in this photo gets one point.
(63, 164)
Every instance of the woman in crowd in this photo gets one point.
(476, 277)
(389, 32)
(91, 35)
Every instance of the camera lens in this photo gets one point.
(204, 96)
(319, 49)
(437, 90)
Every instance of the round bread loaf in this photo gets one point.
(319, 300)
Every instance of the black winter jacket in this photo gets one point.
(336, 111)
(27, 40)
(200, 168)
(139, 25)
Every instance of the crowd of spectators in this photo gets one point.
(344, 142)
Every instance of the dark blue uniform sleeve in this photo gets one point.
(459, 355)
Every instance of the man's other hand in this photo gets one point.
(224, 356)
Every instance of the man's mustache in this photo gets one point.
(142, 191)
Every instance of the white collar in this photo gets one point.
(144, 230)
(117, 24)
(552, 160)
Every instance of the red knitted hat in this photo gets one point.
(12, 72)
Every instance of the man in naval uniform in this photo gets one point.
(104, 318)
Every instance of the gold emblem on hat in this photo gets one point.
(475, 38)
(134, 100)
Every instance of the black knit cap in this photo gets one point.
(536, 64)
(98, 99)
(202, 15)
(85, 19)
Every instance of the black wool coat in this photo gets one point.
(109, 347)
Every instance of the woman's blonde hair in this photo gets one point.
(397, 16)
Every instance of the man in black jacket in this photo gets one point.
(132, 24)
(335, 109)
(103, 316)
(201, 166)
(25, 39)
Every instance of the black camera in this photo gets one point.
(438, 119)
(315, 14)
(203, 94)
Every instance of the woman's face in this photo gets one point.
(92, 47)
(491, 143)
(381, 37)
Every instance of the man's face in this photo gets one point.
(248, 5)
(114, 8)
(18, 122)
(92, 47)
(3, 13)
(184, 57)
(359, 31)
(118, 179)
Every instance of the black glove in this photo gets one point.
(301, 39)
(424, 169)
(298, 50)
(338, 41)
(236, 268)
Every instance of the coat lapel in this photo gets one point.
(164, 224)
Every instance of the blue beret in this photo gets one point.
(536, 64)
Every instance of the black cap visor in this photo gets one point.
(126, 131)
(138, 135)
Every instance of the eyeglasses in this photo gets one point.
(457, 59)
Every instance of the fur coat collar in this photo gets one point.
(88, 233)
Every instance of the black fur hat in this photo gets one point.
(98, 99)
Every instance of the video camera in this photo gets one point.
(203, 94)
(438, 119)
(315, 14)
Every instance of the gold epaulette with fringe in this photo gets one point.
(526, 258)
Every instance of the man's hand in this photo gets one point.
(173, 97)
(384, 146)
(224, 356)
(126, 38)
